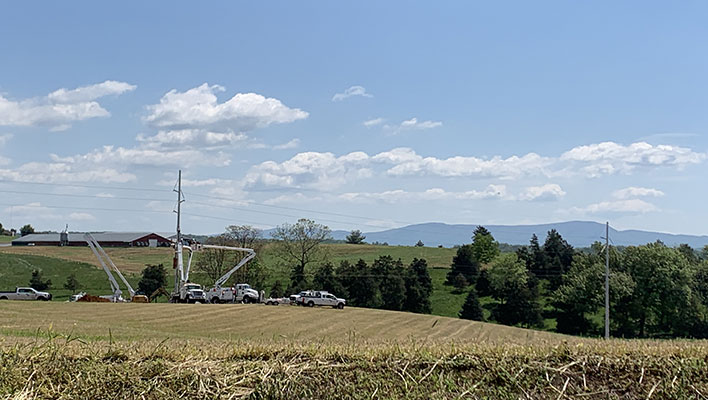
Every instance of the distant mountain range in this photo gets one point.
(577, 233)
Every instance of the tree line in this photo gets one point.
(655, 290)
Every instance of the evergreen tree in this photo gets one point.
(326, 280)
(71, 284)
(465, 263)
(460, 283)
(355, 237)
(472, 310)
(484, 247)
(362, 286)
(518, 303)
(153, 278)
(482, 286)
(418, 287)
(391, 283)
(557, 256)
(419, 244)
(37, 283)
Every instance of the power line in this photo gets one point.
(84, 186)
(83, 196)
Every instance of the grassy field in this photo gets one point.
(152, 351)
(56, 263)
(134, 259)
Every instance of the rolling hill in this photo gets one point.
(577, 233)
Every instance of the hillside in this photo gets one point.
(577, 233)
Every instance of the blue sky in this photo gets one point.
(364, 115)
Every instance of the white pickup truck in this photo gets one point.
(316, 298)
(25, 293)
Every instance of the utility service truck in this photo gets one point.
(241, 292)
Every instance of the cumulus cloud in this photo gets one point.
(193, 138)
(122, 156)
(81, 216)
(373, 122)
(60, 108)
(413, 124)
(65, 172)
(352, 91)
(310, 169)
(407, 162)
(398, 195)
(632, 191)
(199, 108)
(609, 158)
(548, 192)
(630, 206)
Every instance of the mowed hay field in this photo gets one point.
(154, 351)
(250, 321)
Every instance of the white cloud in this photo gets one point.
(105, 195)
(434, 194)
(631, 206)
(407, 162)
(547, 192)
(373, 122)
(198, 108)
(413, 124)
(64, 172)
(289, 145)
(609, 158)
(310, 169)
(352, 91)
(89, 93)
(60, 108)
(632, 191)
(193, 138)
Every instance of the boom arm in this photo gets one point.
(249, 256)
(111, 279)
(96, 246)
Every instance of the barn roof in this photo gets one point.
(126, 237)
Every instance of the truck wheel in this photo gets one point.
(215, 300)
(246, 300)
(42, 298)
(3, 298)
(311, 304)
(340, 306)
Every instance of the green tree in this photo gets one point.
(277, 289)
(419, 287)
(355, 237)
(580, 295)
(460, 283)
(662, 302)
(484, 247)
(152, 278)
(483, 285)
(472, 309)
(244, 236)
(299, 245)
(558, 257)
(26, 230)
(325, 279)
(360, 284)
(37, 283)
(390, 276)
(464, 262)
(688, 252)
(72, 284)
(254, 273)
(518, 303)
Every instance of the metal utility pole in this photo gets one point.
(179, 204)
(607, 281)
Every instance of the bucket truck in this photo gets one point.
(241, 292)
(103, 258)
(184, 291)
